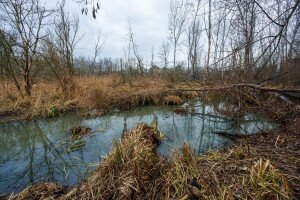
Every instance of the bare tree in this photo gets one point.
(6, 65)
(66, 37)
(59, 49)
(54, 62)
(209, 36)
(152, 57)
(294, 34)
(97, 50)
(132, 43)
(177, 23)
(194, 33)
(247, 21)
(23, 22)
(164, 53)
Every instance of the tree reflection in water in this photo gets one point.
(36, 151)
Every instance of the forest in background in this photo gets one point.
(244, 41)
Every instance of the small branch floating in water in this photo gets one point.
(80, 131)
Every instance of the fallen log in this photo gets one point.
(283, 94)
(228, 135)
(292, 95)
(253, 86)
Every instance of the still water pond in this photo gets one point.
(41, 150)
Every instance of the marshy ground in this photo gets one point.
(261, 166)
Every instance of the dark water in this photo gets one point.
(41, 150)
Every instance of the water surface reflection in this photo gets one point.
(37, 151)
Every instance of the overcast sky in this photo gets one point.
(148, 18)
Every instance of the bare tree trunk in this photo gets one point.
(27, 81)
(26, 72)
(135, 50)
(177, 22)
(209, 42)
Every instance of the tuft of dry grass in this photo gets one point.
(133, 170)
(41, 191)
(268, 182)
(173, 100)
(183, 178)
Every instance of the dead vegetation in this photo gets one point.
(40, 191)
(78, 132)
(93, 96)
(103, 93)
(133, 170)
(173, 100)
(231, 174)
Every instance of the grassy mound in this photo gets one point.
(133, 170)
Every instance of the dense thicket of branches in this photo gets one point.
(253, 37)
(36, 42)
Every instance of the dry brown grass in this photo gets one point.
(133, 170)
(40, 191)
(173, 100)
(268, 182)
(91, 92)
(231, 174)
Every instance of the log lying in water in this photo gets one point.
(253, 86)
(292, 95)
(228, 135)
(283, 94)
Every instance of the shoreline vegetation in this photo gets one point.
(91, 96)
(261, 166)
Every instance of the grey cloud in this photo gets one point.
(148, 18)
